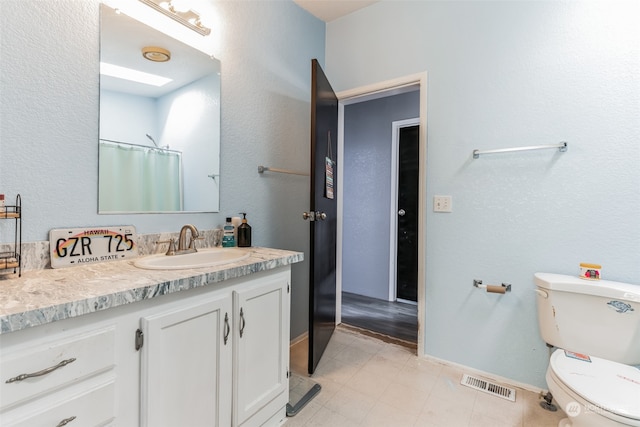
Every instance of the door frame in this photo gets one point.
(367, 93)
(393, 214)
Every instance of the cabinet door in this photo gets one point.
(261, 349)
(186, 364)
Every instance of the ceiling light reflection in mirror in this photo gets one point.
(130, 74)
(143, 121)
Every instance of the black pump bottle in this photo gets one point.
(244, 232)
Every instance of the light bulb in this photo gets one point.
(180, 5)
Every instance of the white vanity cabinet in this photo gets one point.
(215, 355)
(220, 359)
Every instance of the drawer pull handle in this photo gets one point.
(41, 373)
(65, 421)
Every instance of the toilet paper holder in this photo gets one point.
(494, 289)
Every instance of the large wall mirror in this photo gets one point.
(159, 141)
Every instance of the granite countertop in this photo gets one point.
(43, 296)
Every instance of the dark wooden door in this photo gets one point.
(322, 215)
(407, 256)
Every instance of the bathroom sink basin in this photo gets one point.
(209, 257)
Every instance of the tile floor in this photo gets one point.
(368, 382)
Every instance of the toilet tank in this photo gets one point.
(597, 317)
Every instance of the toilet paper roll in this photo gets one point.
(496, 289)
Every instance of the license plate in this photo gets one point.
(90, 245)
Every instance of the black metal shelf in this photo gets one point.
(13, 259)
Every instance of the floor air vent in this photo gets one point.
(489, 387)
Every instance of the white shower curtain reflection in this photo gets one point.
(139, 179)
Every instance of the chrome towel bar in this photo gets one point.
(263, 169)
(562, 147)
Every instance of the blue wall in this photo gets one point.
(49, 121)
(507, 74)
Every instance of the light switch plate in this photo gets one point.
(442, 203)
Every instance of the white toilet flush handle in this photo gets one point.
(542, 293)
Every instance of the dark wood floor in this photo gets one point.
(395, 319)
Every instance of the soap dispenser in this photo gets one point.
(244, 232)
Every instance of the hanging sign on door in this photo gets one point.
(329, 178)
(328, 170)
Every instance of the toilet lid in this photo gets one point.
(609, 385)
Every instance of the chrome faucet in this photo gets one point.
(182, 239)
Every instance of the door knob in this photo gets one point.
(401, 212)
(313, 216)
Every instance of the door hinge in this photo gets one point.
(139, 339)
(288, 289)
(288, 373)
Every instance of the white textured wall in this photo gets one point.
(128, 118)
(507, 74)
(190, 123)
(49, 121)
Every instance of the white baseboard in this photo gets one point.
(299, 338)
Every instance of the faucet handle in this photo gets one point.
(171, 250)
(192, 243)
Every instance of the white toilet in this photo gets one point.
(596, 327)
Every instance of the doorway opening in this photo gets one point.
(368, 209)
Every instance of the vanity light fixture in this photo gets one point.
(156, 54)
(189, 18)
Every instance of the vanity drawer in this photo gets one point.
(90, 407)
(29, 372)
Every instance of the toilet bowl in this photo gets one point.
(596, 384)
(594, 392)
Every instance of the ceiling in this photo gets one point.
(122, 38)
(328, 10)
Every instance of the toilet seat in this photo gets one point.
(609, 386)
